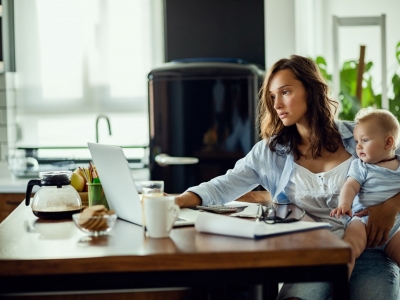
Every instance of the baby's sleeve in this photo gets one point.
(358, 171)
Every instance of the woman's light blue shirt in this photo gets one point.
(261, 166)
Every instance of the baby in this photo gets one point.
(374, 178)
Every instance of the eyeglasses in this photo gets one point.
(270, 216)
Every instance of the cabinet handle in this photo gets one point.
(13, 202)
(165, 160)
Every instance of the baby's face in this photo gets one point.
(370, 142)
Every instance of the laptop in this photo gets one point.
(120, 188)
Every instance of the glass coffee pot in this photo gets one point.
(56, 199)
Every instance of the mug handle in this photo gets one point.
(175, 209)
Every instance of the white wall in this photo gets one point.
(311, 29)
(280, 36)
(313, 34)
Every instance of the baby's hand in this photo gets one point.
(342, 210)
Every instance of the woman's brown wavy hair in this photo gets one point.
(321, 110)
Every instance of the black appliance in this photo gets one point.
(202, 119)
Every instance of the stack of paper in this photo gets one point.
(226, 225)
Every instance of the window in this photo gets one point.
(78, 59)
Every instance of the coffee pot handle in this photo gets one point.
(29, 188)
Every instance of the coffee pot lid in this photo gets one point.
(56, 178)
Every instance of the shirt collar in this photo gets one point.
(345, 129)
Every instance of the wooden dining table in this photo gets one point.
(39, 256)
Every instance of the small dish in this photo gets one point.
(95, 225)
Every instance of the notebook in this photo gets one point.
(120, 188)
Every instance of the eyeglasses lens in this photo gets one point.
(270, 215)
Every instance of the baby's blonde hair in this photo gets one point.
(388, 122)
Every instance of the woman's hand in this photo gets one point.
(188, 199)
(381, 220)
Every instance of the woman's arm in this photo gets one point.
(381, 220)
(188, 199)
(263, 197)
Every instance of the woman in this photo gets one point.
(303, 159)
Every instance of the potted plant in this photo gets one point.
(348, 83)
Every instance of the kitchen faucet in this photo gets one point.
(97, 126)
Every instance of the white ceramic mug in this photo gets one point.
(150, 189)
(161, 214)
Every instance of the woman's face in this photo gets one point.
(289, 98)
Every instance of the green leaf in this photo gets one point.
(396, 85)
(348, 80)
(350, 106)
(350, 64)
(368, 97)
(368, 66)
(320, 61)
(398, 52)
(394, 107)
(378, 101)
(394, 104)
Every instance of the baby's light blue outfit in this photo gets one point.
(377, 185)
(374, 275)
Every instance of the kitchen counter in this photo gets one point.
(11, 184)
